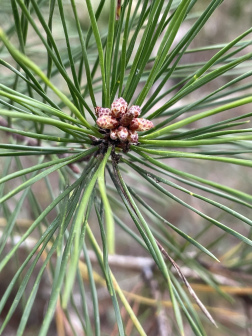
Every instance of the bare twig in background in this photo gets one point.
(126, 262)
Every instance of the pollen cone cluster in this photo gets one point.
(123, 122)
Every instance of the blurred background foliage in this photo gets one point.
(229, 301)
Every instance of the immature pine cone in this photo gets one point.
(135, 110)
(133, 137)
(119, 107)
(126, 118)
(113, 134)
(140, 124)
(100, 111)
(107, 122)
(122, 133)
(122, 122)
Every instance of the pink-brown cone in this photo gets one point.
(133, 137)
(113, 134)
(140, 124)
(126, 118)
(122, 133)
(100, 111)
(135, 110)
(107, 122)
(119, 107)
